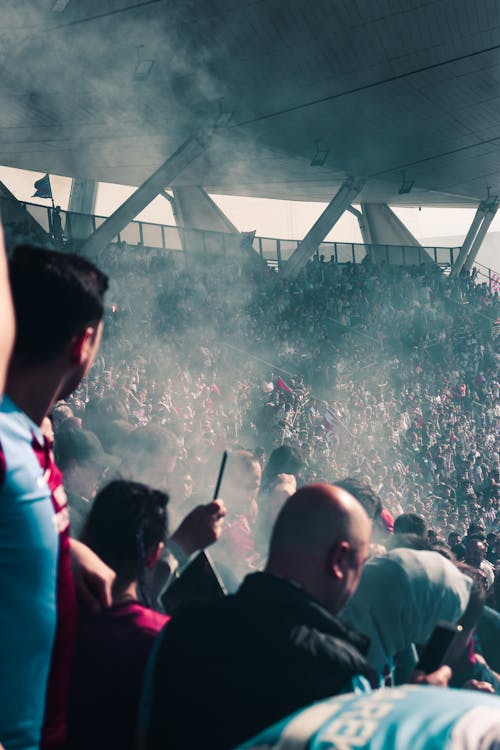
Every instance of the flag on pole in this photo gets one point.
(43, 188)
(215, 389)
(280, 383)
(495, 283)
(335, 428)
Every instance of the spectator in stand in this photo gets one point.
(127, 528)
(400, 599)
(475, 556)
(58, 302)
(236, 551)
(279, 481)
(274, 646)
(83, 462)
(410, 523)
(151, 455)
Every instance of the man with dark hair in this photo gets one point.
(364, 494)
(59, 304)
(127, 527)
(383, 524)
(151, 457)
(410, 523)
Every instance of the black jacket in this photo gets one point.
(226, 670)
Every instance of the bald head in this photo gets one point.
(320, 540)
(316, 517)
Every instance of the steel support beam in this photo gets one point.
(82, 196)
(195, 209)
(81, 207)
(142, 197)
(315, 236)
(363, 226)
(476, 245)
(469, 239)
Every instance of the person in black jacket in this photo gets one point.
(225, 670)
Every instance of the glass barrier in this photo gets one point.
(287, 248)
(40, 214)
(273, 251)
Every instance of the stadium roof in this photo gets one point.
(400, 91)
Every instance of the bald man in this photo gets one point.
(225, 670)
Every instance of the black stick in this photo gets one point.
(221, 473)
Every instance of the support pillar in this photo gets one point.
(195, 209)
(363, 226)
(483, 229)
(315, 236)
(469, 239)
(391, 241)
(142, 197)
(81, 207)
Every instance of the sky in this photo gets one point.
(274, 218)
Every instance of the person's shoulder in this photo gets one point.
(326, 660)
(326, 647)
(12, 419)
(193, 625)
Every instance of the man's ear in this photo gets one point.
(154, 556)
(81, 345)
(339, 559)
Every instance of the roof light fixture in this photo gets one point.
(321, 154)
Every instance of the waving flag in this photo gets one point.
(280, 383)
(43, 188)
(335, 428)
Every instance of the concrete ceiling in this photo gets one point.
(391, 89)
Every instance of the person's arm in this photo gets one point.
(201, 528)
(7, 319)
(93, 578)
(439, 678)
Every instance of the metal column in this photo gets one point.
(315, 236)
(490, 215)
(363, 226)
(190, 150)
(469, 239)
(81, 207)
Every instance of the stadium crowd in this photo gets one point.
(386, 373)
(359, 407)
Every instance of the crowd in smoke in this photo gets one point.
(387, 374)
(379, 382)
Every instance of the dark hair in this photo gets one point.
(410, 523)
(126, 521)
(283, 460)
(56, 296)
(364, 494)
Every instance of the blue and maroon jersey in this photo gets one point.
(411, 717)
(37, 607)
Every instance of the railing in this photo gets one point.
(486, 274)
(77, 227)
